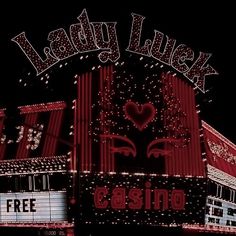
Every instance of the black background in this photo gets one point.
(207, 28)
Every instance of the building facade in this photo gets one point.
(113, 160)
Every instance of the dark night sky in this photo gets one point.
(207, 28)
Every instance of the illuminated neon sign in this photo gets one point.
(137, 198)
(86, 36)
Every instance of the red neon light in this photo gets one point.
(186, 160)
(73, 163)
(102, 153)
(157, 151)
(126, 150)
(86, 122)
(106, 156)
(89, 121)
(43, 107)
(78, 107)
(111, 142)
(84, 117)
(84, 114)
(140, 115)
(130, 148)
(82, 120)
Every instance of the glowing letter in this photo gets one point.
(136, 201)
(134, 42)
(39, 64)
(99, 195)
(118, 198)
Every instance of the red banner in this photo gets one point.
(220, 152)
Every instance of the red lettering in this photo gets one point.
(160, 199)
(99, 195)
(157, 44)
(177, 199)
(148, 196)
(136, 201)
(39, 64)
(118, 198)
(60, 44)
(82, 34)
(135, 198)
(135, 37)
(180, 55)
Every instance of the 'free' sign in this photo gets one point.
(21, 205)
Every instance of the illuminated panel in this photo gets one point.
(33, 207)
(142, 199)
(220, 152)
(220, 212)
(186, 160)
(2, 138)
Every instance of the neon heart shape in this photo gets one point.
(140, 115)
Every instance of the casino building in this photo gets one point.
(113, 161)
